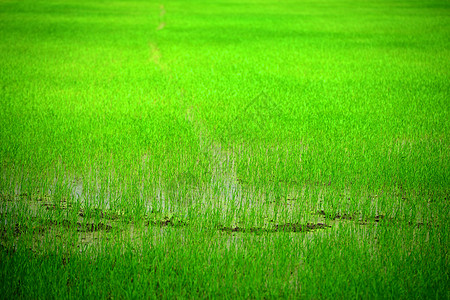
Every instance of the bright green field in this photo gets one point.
(224, 149)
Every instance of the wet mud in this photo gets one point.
(19, 228)
(286, 227)
(371, 220)
(106, 220)
(349, 216)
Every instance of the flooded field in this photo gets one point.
(252, 149)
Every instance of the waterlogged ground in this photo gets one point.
(47, 220)
(79, 251)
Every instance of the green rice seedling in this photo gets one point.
(250, 150)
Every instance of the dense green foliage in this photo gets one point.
(193, 131)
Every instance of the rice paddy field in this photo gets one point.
(224, 149)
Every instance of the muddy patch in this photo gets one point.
(286, 227)
(358, 219)
(349, 216)
(21, 228)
